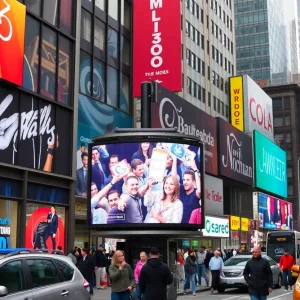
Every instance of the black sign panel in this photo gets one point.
(235, 153)
(171, 111)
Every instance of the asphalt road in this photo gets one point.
(235, 294)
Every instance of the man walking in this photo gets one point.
(215, 265)
(154, 278)
(86, 267)
(100, 266)
(286, 262)
(259, 276)
(201, 270)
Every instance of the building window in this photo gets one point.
(113, 9)
(278, 121)
(288, 154)
(86, 26)
(209, 99)
(219, 106)
(222, 108)
(99, 35)
(112, 86)
(226, 111)
(189, 85)
(289, 172)
(278, 137)
(288, 138)
(290, 190)
(287, 103)
(215, 103)
(277, 103)
(287, 121)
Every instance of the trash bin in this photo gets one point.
(172, 288)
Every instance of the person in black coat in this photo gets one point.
(209, 255)
(100, 265)
(52, 220)
(86, 266)
(154, 278)
(258, 275)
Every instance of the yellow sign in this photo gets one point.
(235, 223)
(237, 102)
(245, 224)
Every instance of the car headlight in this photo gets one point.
(297, 285)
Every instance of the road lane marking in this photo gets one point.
(280, 296)
(232, 297)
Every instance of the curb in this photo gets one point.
(197, 291)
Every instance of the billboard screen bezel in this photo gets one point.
(138, 137)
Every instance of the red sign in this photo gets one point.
(156, 44)
(12, 33)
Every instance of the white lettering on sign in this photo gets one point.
(272, 166)
(5, 230)
(6, 37)
(156, 49)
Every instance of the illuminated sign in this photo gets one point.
(235, 223)
(244, 224)
(216, 227)
(12, 33)
(237, 102)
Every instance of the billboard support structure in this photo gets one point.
(146, 99)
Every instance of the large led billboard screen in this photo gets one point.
(146, 183)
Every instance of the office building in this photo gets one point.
(265, 40)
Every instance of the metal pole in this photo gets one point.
(146, 99)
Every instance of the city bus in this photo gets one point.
(277, 241)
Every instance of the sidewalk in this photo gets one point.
(105, 294)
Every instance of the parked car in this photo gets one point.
(28, 274)
(232, 275)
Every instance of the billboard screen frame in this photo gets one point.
(139, 137)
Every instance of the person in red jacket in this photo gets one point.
(286, 262)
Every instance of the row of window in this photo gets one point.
(254, 63)
(256, 39)
(252, 17)
(217, 32)
(282, 121)
(194, 9)
(218, 11)
(219, 82)
(283, 138)
(251, 29)
(253, 52)
(194, 34)
(221, 107)
(250, 6)
(217, 56)
(279, 103)
(195, 62)
(194, 89)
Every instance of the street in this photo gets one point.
(278, 294)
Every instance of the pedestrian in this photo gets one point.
(216, 265)
(186, 254)
(180, 263)
(201, 270)
(86, 267)
(258, 276)
(137, 273)
(121, 276)
(209, 255)
(100, 266)
(234, 252)
(154, 278)
(73, 256)
(286, 262)
(190, 272)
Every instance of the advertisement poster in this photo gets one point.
(172, 111)
(94, 119)
(139, 198)
(214, 199)
(237, 102)
(12, 33)
(217, 227)
(160, 34)
(235, 153)
(34, 133)
(274, 213)
(45, 229)
(270, 166)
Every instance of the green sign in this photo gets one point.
(195, 243)
(270, 166)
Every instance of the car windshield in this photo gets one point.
(236, 261)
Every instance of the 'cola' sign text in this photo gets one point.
(235, 153)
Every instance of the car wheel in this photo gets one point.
(279, 284)
(221, 290)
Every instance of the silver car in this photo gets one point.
(233, 272)
(28, 275)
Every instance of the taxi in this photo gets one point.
(296, 290)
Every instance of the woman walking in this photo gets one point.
(137, 273)
(121, 275)
(190, 271)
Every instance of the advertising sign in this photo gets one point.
(270, 166)
(235, 223)
(237, 102)
(12, 33)
(136, 198)
(244, 224)
(94, 119)
(213, 196)
(45, 229)
(216, 227)
(235, 153)
(258, 109)
(172, 111)
(34, 133)
(274, 213)
(156, 44)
